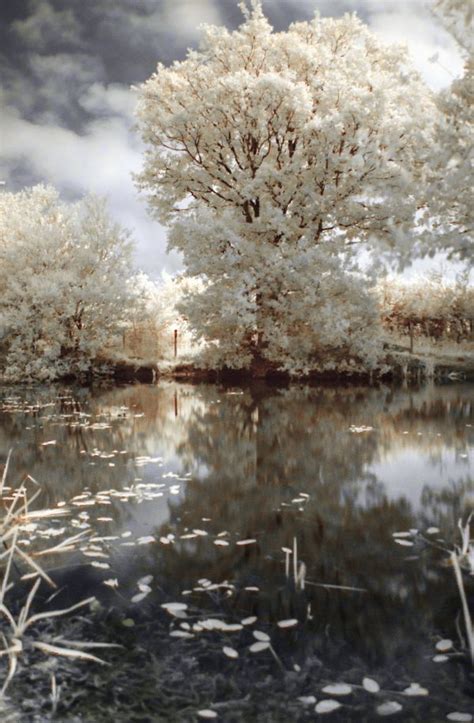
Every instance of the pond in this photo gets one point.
(314, 521)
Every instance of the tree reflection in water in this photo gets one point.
(249, 453)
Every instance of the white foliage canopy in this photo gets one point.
(64, 271)
(273, 156)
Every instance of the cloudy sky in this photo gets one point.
(66, 67)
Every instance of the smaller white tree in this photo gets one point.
(64, 271)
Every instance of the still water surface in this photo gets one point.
(212, 483)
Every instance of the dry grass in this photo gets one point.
(16, 514)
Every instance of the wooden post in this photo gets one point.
(175, 343)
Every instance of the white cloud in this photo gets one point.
(101, 160)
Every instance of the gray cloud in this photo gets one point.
(66, 68)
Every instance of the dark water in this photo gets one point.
(167, 472)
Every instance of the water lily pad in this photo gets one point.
(327, 706)
(338, 689)
(444, 645)
(258, 647)
(415, 689)
(371, 685)
(230, 652)
(389, 708)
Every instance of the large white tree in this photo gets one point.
(272, 156)
(64, 271)
(449, 208)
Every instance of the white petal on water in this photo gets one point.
(258, 635)
(250, 541)
(407, 543)
(221, 543)
(432, 530)
(327, 706)
(258, 647)
(371, 685)
(230, 652)
(338, 689)
(460, 717)
(401, 534)
(287, 623)
(440, 659)
(207, 713)
(390, 707)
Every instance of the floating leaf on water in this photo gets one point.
(444, 645)
(181, 634)
(338, 689)
(230, 652)
(250, 541)
(249, 621)
(460, 717)
(261, 636)
(327, 706)
(401, 541)
(390, 707)
(440, 659)
(139, 596)
(371, 685)
(207, 713)
(128, 623)
(307, 699)
(258, 647)
(174, 607)
(145, 580)
(287, 623)
(415, 689)
(231, 627)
